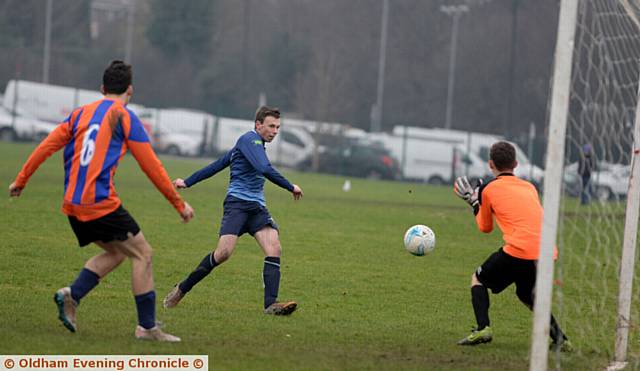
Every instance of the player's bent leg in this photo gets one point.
(480, 301)
(105, 263)
(525, 292)
(95, 269)
(68, 298)
(140, 252)
(226, 246)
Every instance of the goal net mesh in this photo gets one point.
(603, 99)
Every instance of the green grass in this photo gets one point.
(365, 303)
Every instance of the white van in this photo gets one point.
(50, 103)
(435, 154)
(435, 159)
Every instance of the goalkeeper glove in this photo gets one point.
(465, 191)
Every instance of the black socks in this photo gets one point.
(480, 301)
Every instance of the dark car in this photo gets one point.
(356, 158)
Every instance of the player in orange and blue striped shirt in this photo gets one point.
(95, 137)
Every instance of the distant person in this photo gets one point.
(515, 205)
(585, 168)
(245, 210)
(95, 137)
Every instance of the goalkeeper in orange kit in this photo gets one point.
(516, 207)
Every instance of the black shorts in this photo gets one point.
(114, 226)
(242, 216)
(501, 270)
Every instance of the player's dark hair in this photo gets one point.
(503, 155)
(117, 77)
(265, 111)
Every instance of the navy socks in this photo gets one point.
(206, 266)
(85, 282)
(271, 279)
(146, 305)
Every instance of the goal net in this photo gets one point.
(599, 143)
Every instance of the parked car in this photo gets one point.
(177, 144)
(22, 126)
(358, 158)
(609, 181)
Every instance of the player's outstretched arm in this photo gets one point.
(138, 143)
(57, 139)
(206, 172)
(297, 192)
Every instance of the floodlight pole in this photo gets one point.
(128, 45)
(47, 42)
(455, 11)
(376, 119)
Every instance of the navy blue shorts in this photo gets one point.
(242, 216)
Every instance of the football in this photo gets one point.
(419, 240)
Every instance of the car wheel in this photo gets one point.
(173, 150)
(39, 137)
(374, 174)
(603, 194)
(7, 135)
(436, 180)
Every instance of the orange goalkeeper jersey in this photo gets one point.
(95, 137)
(518, 212)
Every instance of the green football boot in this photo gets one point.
(478, 337)
(563, 346)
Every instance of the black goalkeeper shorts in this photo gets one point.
(501, 270)
(114, 226)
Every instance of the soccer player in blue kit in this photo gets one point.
(245, 210)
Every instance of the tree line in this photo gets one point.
(316, 60)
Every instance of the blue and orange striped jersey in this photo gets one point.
(95, 137)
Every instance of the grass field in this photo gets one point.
(365, 303)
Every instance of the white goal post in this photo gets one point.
(553, 181)
(628, 259)
(607, 70)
